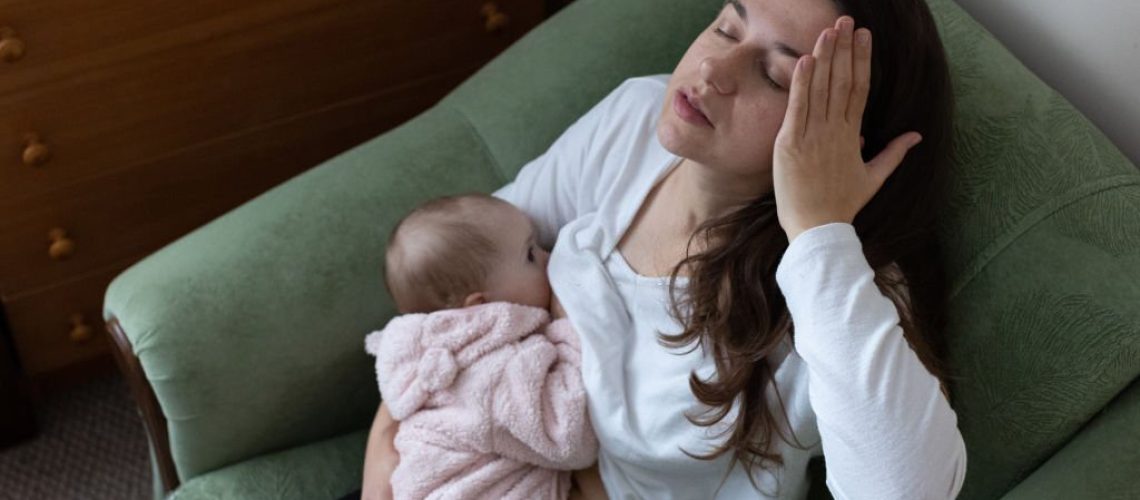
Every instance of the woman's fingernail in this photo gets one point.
(862, 37)
(914, 140)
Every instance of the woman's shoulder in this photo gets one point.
(629, 120)
(647, 85)
(628, 108)
(638, 97)
(626, 155)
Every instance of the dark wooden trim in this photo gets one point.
(18, 417)
(153, 418)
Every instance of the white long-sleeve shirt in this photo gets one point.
(852, 388)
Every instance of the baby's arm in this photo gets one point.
(539, 404)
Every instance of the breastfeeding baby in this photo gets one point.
(487, 389)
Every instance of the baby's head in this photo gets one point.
(464, 250)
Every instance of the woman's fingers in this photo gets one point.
(885, 163)
(861, 77)
(840, 92)
(820, 79)
(797, 114)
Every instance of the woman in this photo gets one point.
(746, 248)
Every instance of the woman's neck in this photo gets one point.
(700, 193)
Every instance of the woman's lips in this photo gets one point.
(687, 112)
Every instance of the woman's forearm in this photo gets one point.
(871, 394)
(380, 457)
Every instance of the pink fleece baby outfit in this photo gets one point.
(490, 402)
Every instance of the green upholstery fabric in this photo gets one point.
(1046, 335)
(1100, 462)
(1043, 253)
(251, 328)
(325, 469)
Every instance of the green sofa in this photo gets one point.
(243, 340)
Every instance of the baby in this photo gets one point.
(486, 387)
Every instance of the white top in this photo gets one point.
(852, 387)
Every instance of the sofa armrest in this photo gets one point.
(1100, 462)
(250, 329)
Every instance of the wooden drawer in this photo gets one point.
(136, 211)
(42, 323)
(61, 36)
(115, 116)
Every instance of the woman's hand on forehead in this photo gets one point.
(818, 171)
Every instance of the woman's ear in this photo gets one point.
(474, 299)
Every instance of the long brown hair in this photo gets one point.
(733, 308)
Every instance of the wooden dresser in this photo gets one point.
(126, 124)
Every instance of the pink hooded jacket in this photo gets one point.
(490, 402)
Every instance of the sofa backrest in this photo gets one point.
(1042, 251)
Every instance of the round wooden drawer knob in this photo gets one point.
(36, 153)
(11, 47)
(79, 329)
(61, 246)
(494, 20)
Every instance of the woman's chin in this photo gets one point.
(677, 140)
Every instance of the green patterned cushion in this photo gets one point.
(1043, 253)
(323, 470)
(1107, 443)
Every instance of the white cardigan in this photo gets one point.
(852, 388)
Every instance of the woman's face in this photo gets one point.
(736, 73)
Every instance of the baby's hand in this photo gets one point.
(556, 310)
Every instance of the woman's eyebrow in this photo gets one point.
(739, 7)
(781, 47)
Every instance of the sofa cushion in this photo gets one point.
(1042, 250)
(326, 469)
(1100, 462)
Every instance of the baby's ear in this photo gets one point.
(474, 299)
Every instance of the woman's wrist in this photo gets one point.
(794, 232)
(380, 456)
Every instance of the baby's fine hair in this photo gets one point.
(439, 252)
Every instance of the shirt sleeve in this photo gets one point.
(568, 179)
(549, 188)
(886, 429)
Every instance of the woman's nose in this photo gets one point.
(717, 72)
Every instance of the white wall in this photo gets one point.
(1088, 50)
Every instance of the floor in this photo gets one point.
(91, 446)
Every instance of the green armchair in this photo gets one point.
(243, 341)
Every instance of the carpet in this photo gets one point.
(91, 446)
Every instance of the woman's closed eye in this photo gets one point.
(724, 34)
